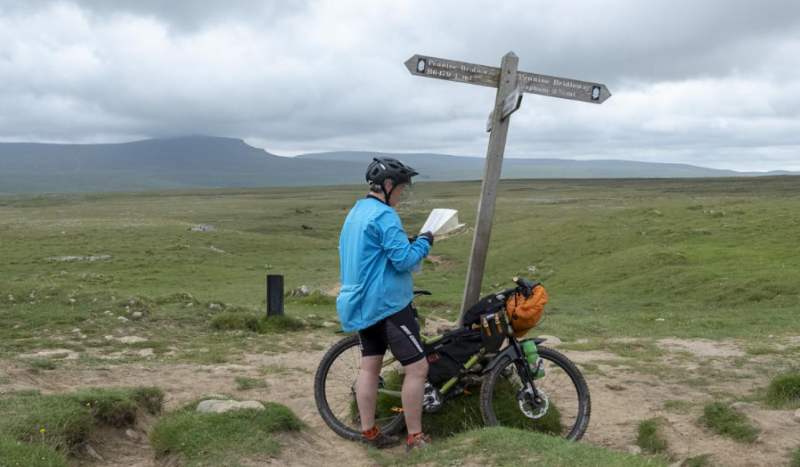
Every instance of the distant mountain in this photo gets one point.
(446, 167)
(206, 162)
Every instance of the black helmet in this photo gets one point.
(382, 168)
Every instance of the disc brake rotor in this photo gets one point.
(537, 412)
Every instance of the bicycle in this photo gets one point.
(512, 393)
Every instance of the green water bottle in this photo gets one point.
(534, 360)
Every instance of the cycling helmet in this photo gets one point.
(383, 168)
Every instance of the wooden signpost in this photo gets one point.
(510, 85)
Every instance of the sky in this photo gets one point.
(713, 83)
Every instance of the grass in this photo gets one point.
(16, 454)
(60, 423)
(697, 461)
(783, 391)
(723, 420)
(509, 447)
(649, 438)
(37, 364)
(273, 369)
(245, 384)
(222, 439)
(795, 462)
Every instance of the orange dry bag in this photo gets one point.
(525, 313)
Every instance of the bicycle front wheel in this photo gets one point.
(567, 404)
(335, 393)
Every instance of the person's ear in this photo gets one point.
(388, 184)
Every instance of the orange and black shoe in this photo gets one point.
(418, 442)
(378, 440)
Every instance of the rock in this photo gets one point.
(312, 316)
(552, 341)
(303, 322)
(63, 273)
(137, 314)
(11, 299)
(797, 415)
(147, 353)
(301, 291)
(130, 339)
(113, 298)
(107, 312)
(634, 450)
(660, 320)
(132, 435)
(90, 450)
(328, 324)
(215, 306)
(76, 330)
(220, 406)
(108, 338)
(66, 354)
(217, 250)
(123, 319)
(744, 407)
(202, 228)
(531, 268)
(71, 301)
(32, 295)
(189, 305)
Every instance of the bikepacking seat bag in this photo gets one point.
(488, 304)
(525, 313)
(494, 330)
(446, 359)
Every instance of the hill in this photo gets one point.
(213, 162)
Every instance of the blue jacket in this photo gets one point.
(377, 260)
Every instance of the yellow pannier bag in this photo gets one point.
(525, 313)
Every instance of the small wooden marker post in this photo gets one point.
(510, 85)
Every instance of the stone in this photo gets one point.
(66, 354)
(531, 269)
(123, 319)
(107, 312)
(797, 415)
(189, 305)
(634, 450)
(552, 341)
(328, 324)
(147, 353)
(215, 306)
(137, 314)
(90, 450)
(660, 320)
(220, 406)
(32, 295)
(744, 407)
(217, 250)
(132, 435)
(301, 291)
(312, 316)
(130, 339)
(76, 330)
(113, 298)
(202, 228)
(108, 338)
(63, 273)
(71, 301)
(303, 322)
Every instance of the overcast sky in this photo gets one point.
(714, 83)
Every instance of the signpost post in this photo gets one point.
(510, 85)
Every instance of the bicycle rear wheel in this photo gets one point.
(566, 411)
(335, 395)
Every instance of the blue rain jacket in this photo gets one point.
(376, 260)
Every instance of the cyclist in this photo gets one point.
(377, 259)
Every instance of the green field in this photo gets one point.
(712, 258)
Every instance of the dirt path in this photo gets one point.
(621, 398)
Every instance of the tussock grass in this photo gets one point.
(783, 391)
(650, 439)
(273, 369)
(231, 321)
(16, 454)
(723, 420)
(245, 384)
(37, 364)
(222, 439)
(698, 461)
(64, 421)
(510, 447)
(795, 462)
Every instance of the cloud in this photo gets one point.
(711, 83)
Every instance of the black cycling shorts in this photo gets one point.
(398, 332)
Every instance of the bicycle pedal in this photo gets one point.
(397, 409)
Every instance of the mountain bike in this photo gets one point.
(552, 397)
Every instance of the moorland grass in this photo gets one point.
(62, 422)
(795, 461)
(222, 439)
(245, 384)
(16, 454)
(510, 447)
(698, 461)
(783, 391)
(649, 438)
(723, 420)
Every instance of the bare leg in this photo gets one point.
(413, 392)
(367, 390)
